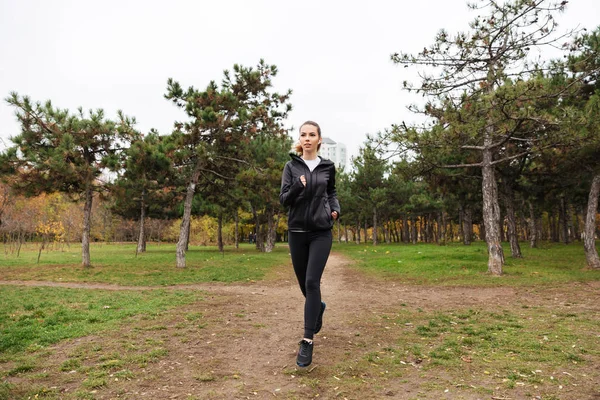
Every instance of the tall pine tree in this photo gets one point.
(58, 151)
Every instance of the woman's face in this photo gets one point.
(309, 138)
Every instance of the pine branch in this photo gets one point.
(217, 174)
(460, 165)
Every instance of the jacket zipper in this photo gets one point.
(309, 183)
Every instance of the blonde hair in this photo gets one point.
(298, 146)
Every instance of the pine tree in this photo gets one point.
(57, 151)
(222, 122)
(468, 70)
(145, 185)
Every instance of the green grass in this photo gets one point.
(33, 318)
(430, 264)
(118, 264)
(456, 264)
(540, 347)
(478, 348)
(508, 343)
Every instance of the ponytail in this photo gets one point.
(297, 148)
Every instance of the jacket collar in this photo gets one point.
(324, 161)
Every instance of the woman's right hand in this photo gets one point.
(303, 180)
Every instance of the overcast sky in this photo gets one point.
(334, 55)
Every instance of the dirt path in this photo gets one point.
(247, 344)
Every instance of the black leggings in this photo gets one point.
(310, 251)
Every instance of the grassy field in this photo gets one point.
(118, 264)
(456, 264)
(534, 345)
(523, 353)
(35, 317)
(453, 264)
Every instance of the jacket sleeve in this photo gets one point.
(290, 188)
(334, 204)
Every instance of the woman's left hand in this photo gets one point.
(334, 215)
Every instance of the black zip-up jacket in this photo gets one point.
(310, 207)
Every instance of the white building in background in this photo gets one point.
(335, 151)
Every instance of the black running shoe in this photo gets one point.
(320, 319)
(304, 354)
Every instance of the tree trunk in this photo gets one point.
(236, 230)
(87, 225)
(577, 227)
(547, 229)
(271, 232)
(357, 230)
(413, 232)
(141, 246)
(533, 237)
(589, 239)
(258, 239)
(564, 220)
(184, 230)
(570, 229)
(491, 211)
(523, 233)
(20, 243)
(395, 232)
(339, 229)
(461, 221)
(467, 226)
(262, 236)
(220, 232)
(388, 234)
(374, 226)
(431, 228)
(553, 225)
(543, 230)
(405, 234)
(346, 232)
(442, 228)
(189, 235)
(501, 226)
(511, 218)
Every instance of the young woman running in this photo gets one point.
(308, 189)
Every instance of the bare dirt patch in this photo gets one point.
(241, 341)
